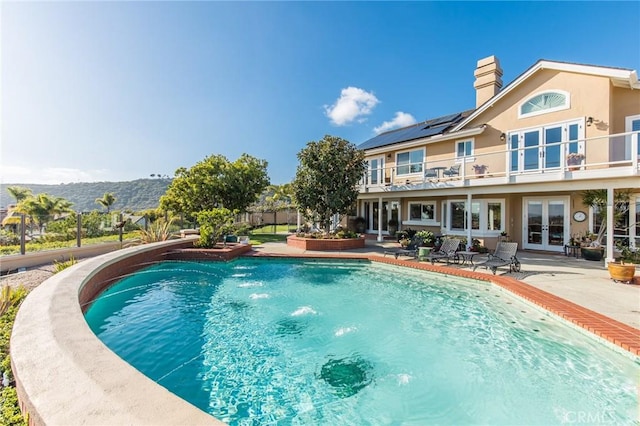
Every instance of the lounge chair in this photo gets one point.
(410, 250)
(452, 171)
(446, 252)
(504, 255)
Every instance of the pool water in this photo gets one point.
(264, 341)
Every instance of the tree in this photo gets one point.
(327, 177)
(215, 182)
(43, 207)
(19, 193)
(106, 201)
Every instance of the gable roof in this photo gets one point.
(425, 129)
(620, 77)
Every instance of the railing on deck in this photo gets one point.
(561, 160)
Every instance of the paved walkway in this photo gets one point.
(580, 281)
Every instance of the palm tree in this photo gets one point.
(19, 193)
(43, 207)
(106, 201)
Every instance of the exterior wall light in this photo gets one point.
(589, 121)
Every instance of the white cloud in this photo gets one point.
(49, 175)
(353, 104)
(402, 119)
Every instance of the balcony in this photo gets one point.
(592, 158)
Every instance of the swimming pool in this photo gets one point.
(337, 342)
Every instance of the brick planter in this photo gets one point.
(325, 244)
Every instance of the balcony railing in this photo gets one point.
(579, 159)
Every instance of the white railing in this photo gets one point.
(561, 160)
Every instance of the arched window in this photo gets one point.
(543, 103)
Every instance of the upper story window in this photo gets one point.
(542, 103)
(464, 150)
(409, 162)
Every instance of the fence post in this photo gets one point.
(22, 234)
(120, 228)
(79, 229)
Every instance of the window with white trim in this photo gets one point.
(543, 103)
(487, 216)
(632, 124)
(423, 211)
(464, 150)
(409, 162)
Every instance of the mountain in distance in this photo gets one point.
(135, 195)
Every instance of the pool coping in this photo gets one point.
(66, 375)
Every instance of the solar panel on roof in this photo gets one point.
(441, 120)
(402, 135)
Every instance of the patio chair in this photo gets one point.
(452, 171)
(430, 174)
(410, 250)
(446, 252)
(504, 255)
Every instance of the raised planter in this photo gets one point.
(325, 244)
(621, 272)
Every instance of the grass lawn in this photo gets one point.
(267, 238)
(268, 229)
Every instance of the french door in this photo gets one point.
(390, 210)
(545, 147)
(546, 223)
(375, 172)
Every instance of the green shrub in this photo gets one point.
(9, 408)
(10, 415)
(213, 225)
(8, 238)
(64, 264)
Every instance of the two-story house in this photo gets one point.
(517, 163)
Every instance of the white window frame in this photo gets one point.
(483, 230)
(566, 105)
(628, 122)
(428, 222)
(424, 156)
(466, 158)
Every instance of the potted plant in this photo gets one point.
(427, 238)
(480, 169)
(574, 159)
(624, 268)
(360, 224)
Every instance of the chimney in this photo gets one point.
(488, 82)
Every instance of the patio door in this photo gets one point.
(390, 209)
(546, 223)
(545, 147)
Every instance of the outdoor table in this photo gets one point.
(466, 256)
(439, 170)
(570, 250)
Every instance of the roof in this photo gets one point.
(425, 129)
(620, 77)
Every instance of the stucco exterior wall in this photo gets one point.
(625, 102)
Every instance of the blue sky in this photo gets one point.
(114, 91)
